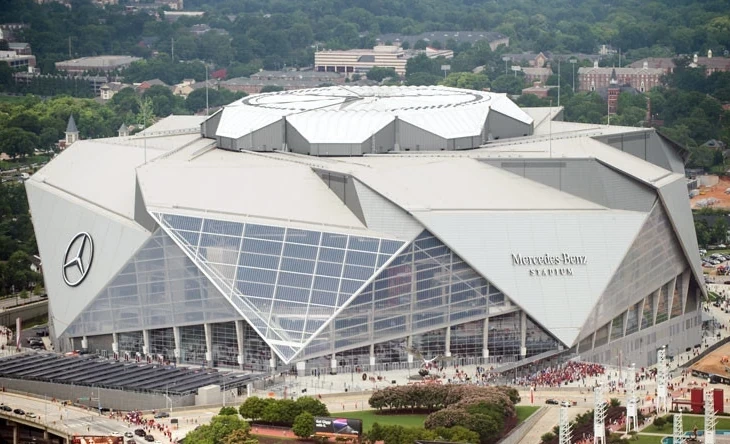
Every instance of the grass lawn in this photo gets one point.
(370, 417)
(689, 423)
(524, 412)
(11, 99)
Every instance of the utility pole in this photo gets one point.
(206, 89)
(172, 48)
(558, 82)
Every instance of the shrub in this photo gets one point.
(303, 425)
(547, 437)
(659, 421)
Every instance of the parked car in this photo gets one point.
(565, 404)
(6, 408)
(149, 438)
(552, 401)
(19, 412)
(30, 415)
(128, 435)
(140, 432)
(162, 415)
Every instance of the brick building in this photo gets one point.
(643, 79)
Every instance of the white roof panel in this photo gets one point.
(339, 127)
(244, 184)
(238, 121)
(449, 123)
(504, 105)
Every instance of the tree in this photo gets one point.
(509, 84)
(703, 232)
(312, 405)
(303, 425)
(228, 411)
(253, 408)
(218, 430)
(378, 73)
(718, 235)
(272, 88)
(466, 80)
(16, 142)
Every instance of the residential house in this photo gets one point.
(108, 90)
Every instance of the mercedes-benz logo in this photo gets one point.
(77, 261)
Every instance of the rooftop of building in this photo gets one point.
(98, 61)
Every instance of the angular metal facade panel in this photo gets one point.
(542, 261)
(57, 219)
(502, 126)
(585, 178)
(413, 138)
(268, 138)
(287, 283)
(141, 216)
(158, 287)
(654, 258)
(344, 187)
(383, 216)
(383, 141)
(676, 202)
(210, 126)
(296, 143)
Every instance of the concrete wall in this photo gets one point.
(28, 311)
(110, 398)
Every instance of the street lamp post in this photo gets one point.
(506, 59)
(572, 62)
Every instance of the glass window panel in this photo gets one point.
(360, 273)
(253, 289)
(219, 241)
(334, 240)
(256, 275)
(349, 287)
(382, 259)
(324, 298)
(223, 227)
(183, 222)
(327, 269)
(295, 279)
(363, 244)
(264, 232)
(617, 326)
(331, 255)
(260, 261)
(300, 251)
(302, 236)
(297, 265)
(326, 283)
(190, 237)
(292, 294)
(647, 318)
(427, 242)
(262, 247)
(677, 298)
(361, 258)
(389, 247)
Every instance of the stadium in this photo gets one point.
(349, 227)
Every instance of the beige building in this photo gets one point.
(643, 79)
(359, 61)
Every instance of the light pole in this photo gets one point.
(506, 59)
(572, 62)
(206, 89)
(559, 81)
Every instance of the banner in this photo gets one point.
(98, 440)
(325, 426)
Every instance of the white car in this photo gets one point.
(565, 404)
(30, 415)
(116, 434)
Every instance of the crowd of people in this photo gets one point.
(571, 371)
(136, 418)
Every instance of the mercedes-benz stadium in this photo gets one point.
(343, 227)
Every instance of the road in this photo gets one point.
(84, 422)
(12, 301)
